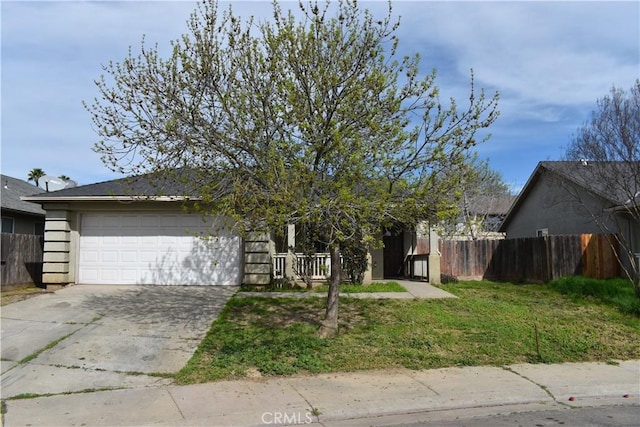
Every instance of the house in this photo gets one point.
(141, 230)
(18, 216)
(578, 197)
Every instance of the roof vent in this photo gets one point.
(584, 162)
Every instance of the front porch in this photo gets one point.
(405, 255)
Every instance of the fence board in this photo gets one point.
(21, 260)
(532, 260)
(600, 259)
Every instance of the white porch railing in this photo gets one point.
(279, 265)
(320, 266)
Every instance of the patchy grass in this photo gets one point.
(489, 324)
(21, 294)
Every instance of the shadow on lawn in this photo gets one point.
(283, 312)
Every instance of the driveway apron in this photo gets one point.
(84, 338)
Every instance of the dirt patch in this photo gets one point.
(9, 297)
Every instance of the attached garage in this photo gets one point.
(156, 249)
(145, 230)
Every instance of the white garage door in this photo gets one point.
(159, 249)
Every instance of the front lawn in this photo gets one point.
(345, 288)
(489, 324)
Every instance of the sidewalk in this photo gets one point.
(415, 289)
(353, 399)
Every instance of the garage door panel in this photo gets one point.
(129, 222)
(110, 240)
(92, 222)
(108, 275)
(129, 240)
(107, 221)
(128, 257)
(89, 256)
(109, 257)
(129, 275)
(156, 249)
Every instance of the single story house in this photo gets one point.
(19, 216)
(140, 230)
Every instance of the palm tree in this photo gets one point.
(64, 177)
(35, 175)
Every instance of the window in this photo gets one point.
(7, 224)
(542, 232)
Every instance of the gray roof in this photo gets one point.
(170, 184)
(614, 182)
(491, 205)
(10, 192)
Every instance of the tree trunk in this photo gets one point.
(308, 271)
(329, 326)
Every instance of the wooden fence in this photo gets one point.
(21, 260)
(533, 260)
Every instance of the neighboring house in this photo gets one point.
(140, 231)
(18, 216)
(480, 218)
(577, 197)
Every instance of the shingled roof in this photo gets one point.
(597, 177)
(491, 205)
(152, 186)
(12, 190)
(594, 177)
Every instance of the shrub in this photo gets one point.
(354, 255)
(445, 278)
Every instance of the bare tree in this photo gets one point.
(483, 200)
(608, 145)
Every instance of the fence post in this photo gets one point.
(434, 258)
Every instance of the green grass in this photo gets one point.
(489, 324)
(344, 288)
(617, 293)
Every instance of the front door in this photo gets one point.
(393, 255)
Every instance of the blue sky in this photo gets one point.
(550, 61)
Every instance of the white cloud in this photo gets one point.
(561, 53)
(549, 60)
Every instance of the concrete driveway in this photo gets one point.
(83, 338)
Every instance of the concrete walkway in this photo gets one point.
(350, 399)
(415, 289)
